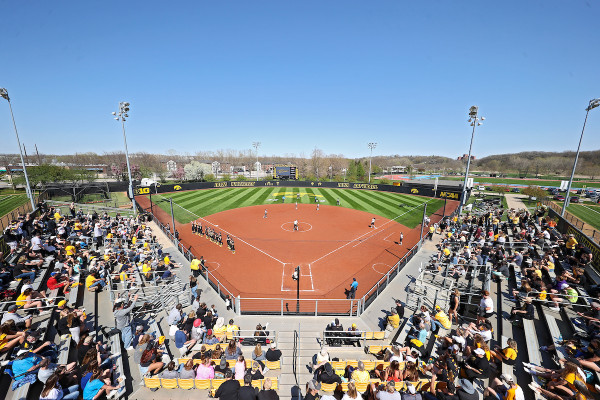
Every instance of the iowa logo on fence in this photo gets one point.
(177, 187)
(414, 191)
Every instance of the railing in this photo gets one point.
(294, 306)
(576, 222)
(100, 209)
(295, 355)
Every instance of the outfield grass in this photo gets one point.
(210, 201)
(527, 182)
(588, 214)
(10, 202)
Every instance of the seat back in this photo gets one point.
(152, 383)
(186, 383)
(202, 383)
(169, 383)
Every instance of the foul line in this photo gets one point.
(589, 208)
(229, 233)
(367, 233)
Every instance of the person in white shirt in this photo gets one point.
(486, 306)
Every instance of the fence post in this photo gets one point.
(316, 308)
(238, 305)
(281, 307)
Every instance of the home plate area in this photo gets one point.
(288, 284)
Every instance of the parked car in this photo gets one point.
(559, 197)
(574, 199)
(516, 190)
(480, 187)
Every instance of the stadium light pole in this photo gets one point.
(4, 94)
(122, 116)
(371, 145)
(256, 145)
(474, 121)
(593, 104)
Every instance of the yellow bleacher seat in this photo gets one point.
(198, 361)
(186, 383)
(338, 364)
(378, 335)
(152, 383)
(183, 360)
(273, 364)
(352, 363)
(257, 383)
(382, 364)
(231, 363)
(202, 383)
(328, 387)
(248, 364)
(369, 365)
(229, 335)
(214, 383)
(344, 386)
(374, 349)
(361, 386)
(368, 335)
(274, 383)
(169, 383)
(241, 381)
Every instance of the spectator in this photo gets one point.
(12, 315)
(258, 354)
(386, 392)
(273, 354)
(53, 390)
(240, 367)
(267, 393)
(351, 393)
(205, 370)
(312, 390)
(229, 389)
(247, 392)
(170, 372)
(123, 320)
(187, 372)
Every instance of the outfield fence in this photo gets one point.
(575, 221)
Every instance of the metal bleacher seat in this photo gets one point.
(533, 350)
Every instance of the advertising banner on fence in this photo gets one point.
(451, 193)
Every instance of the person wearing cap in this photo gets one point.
(466, 391)
(387, 392)
(273, 354)
(353, 332)
(506, 388)
(411, 393)
(12, 315)
(122, 316)
(312, 390)
(209, 338)
(229, 389)
(477, 366)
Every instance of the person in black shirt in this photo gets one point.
(312, 390)
(267, 393)
(273, 354)
(477, 367)
(229, 389)
(247, 392)
(526, 311)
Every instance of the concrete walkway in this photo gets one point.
(515, 200)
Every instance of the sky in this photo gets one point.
(295, 75)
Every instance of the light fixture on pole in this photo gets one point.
(371, 145)
(474, 121)
(4, 95)
(256, 145)
(122, 116)
(593, 104)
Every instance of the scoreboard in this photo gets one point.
(285, 172)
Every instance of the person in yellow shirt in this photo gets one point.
(146, 270)
(442, 318)
(570, 244)
(94, 283)
(360, 374)
(9, 339)
(57, 215)
(134, 240)
(232, 327)
(393, 322)
(507, 355)
(70, 249)
(195, 267)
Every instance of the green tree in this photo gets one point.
(225, 177)
(360, 171)
(535, 191)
